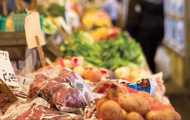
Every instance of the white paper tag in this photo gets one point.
(7, 73)
(33, 30)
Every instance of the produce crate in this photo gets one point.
(14, 43)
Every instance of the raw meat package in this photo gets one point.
(4, 101)
(6, 97)
(66, 92)
(44, 113)
(21, 106)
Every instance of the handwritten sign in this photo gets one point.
(33, 30)
(6, 70)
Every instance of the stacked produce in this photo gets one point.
(135, 106)
(102, 76)
(121, 102)
(111, 54)
(66, 96)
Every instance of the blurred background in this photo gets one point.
(161, 27)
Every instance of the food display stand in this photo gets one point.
(101, 73)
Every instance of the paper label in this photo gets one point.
(7, 73)
(33, 30)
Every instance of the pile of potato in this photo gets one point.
(137, 106)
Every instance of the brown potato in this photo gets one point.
(100, 102)
(171, 115)
(110, 110)
(124, 114)
(163, 115)
(134, 103)
(154, 115)
(134, 116)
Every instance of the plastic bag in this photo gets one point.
(67, 92)
(20, 107)
(44, 113)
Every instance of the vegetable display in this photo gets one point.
(111, 54)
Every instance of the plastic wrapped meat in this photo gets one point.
(44, 113)
(46, 84)
(38, 83)
(20, 107)
(66, 92)
(64, 99)
(6, 98)
(3, 100)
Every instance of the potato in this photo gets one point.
(154, 115)
(134, 103)
(124, 114)
(134, 116)
(100, 102)
(167, 114)
(171, 115)
(110, 110)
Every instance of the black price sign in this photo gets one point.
(7, 76)
(7, 73)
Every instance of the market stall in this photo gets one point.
(100, 73)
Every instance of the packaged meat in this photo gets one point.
(66, 92)
(44, 113)
(69, 98)
(90, 112)
(22, 106)
(6, 97)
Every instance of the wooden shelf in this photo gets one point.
(14, 43)
(12, 38)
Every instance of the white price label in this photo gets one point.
(6, 70)
(33, 30)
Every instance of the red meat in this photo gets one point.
(59, 91)
(38, 83)
(69, 97)
(44, 113)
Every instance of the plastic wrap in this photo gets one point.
(152, 84)
(44, 113)
(90, 112)
(20, 107)
(67, 91)
(4, 102)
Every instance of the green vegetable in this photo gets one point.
(56, 10)
(111, 54)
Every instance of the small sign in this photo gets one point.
(33, 30)
(7, 73)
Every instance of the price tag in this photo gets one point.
(33, 30)
(6, 70)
